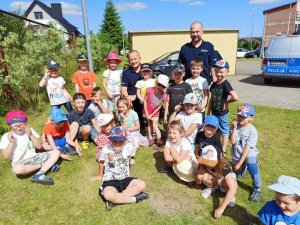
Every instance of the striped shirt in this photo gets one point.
(102, 141)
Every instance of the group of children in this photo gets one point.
(193, 149)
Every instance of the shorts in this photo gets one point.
(67, 150)
(223, 124)
(120, 185)
(39, 158)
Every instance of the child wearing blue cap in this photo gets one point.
(243, 137)
(285, 209)
(118, 187)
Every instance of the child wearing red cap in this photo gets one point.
(112, 80)
(19, 145)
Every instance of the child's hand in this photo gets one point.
(28, 131)
(65, 157)
(47, 72)
(10, 137)
(149, 117)
(110, 96)
(177, 108)
(96, 178)
(234, 124)
(78, 150)
(218, 212)
(238, 167)
(225, 107)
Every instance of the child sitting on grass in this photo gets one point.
(20, 144)
(243, 137)
(285, 209)
(118, 187)
(82, 122)
(57, 134)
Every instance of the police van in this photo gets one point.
(282, 58)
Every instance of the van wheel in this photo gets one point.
(267, 80)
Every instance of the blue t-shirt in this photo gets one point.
(205, 52)
(271, 214)
(83, 119)
(129, 80)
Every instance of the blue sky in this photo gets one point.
(167, 14)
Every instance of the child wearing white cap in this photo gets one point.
(285, 209)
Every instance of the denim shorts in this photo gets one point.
(223, 124)
(67, 149)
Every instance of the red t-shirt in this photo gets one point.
(50, 129)
(85, 82)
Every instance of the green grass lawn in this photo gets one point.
(73, 199)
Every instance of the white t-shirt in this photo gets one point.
(198, 85)
(23, 147)
(95, 108)
(116, 164)
(185, 145)
(55, 91)
(113, 80)
(144, 84)
(187, 121)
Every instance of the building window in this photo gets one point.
(298, 16)
(38, 15)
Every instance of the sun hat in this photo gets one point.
(82, 57)
(286, 185)
(59, 116)
(15, 116)
(246, 110)
(222, 64)
(186, 170)
(146, 67)
(212, 120)
(210, 156)
(104, 119)
(163, 79)
(118, 134)
(178, 67)
(190, 98)
(113, 56)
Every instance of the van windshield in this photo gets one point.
(287, 45)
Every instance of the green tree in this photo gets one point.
(111, 29)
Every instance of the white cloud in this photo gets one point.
(189, 2)
(70, 9)
(262, 1)
(125, 6)
(20, 5)
(196, 3)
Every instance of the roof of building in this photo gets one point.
(291, 3)
(55, 14)
(181, 30)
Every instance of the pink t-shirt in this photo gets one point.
(153, 100)
(102, 141)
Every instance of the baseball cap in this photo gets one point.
(286, 185)
(59, 116)
(186, 170)
(212, 120)
(104, 119)
(52, 64)
(190, 98)
(246, 110)
(163, 79)
(222, 64)
(82, 57)
(145, 67)
(15, 116)
(118, 134)
(178, 67)
(210, 156)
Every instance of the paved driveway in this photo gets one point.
(250, 87)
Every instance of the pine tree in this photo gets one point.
(111, 29)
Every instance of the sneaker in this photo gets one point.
(54, 168)
(166, 169)
(41, 178)
(207, 192)
(141, 196)
(85, 145)
(131, 162)
(232, 202)
(255, 196)
(109, 205)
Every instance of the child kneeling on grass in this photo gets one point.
(19, 145)
(118, 187)
(215, 171)
(285, 209)
(57, 133)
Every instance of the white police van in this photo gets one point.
(282, 58)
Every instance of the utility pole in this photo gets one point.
(252, 17)
(87, 34)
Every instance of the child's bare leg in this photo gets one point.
(224, 143)
(135, 187)
(23, 170)
(149, 129)
(157, 130)
(85, 132)
(168, 158)
(54, 155)
(74, 129)
(112, 195)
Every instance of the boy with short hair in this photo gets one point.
(82, 122)
(99, 105)
(285, 209)
(243, 137)
(218, 104)
(57, 134)
(118, 187)
(199, 85)
(176, 91)
(19, 145)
